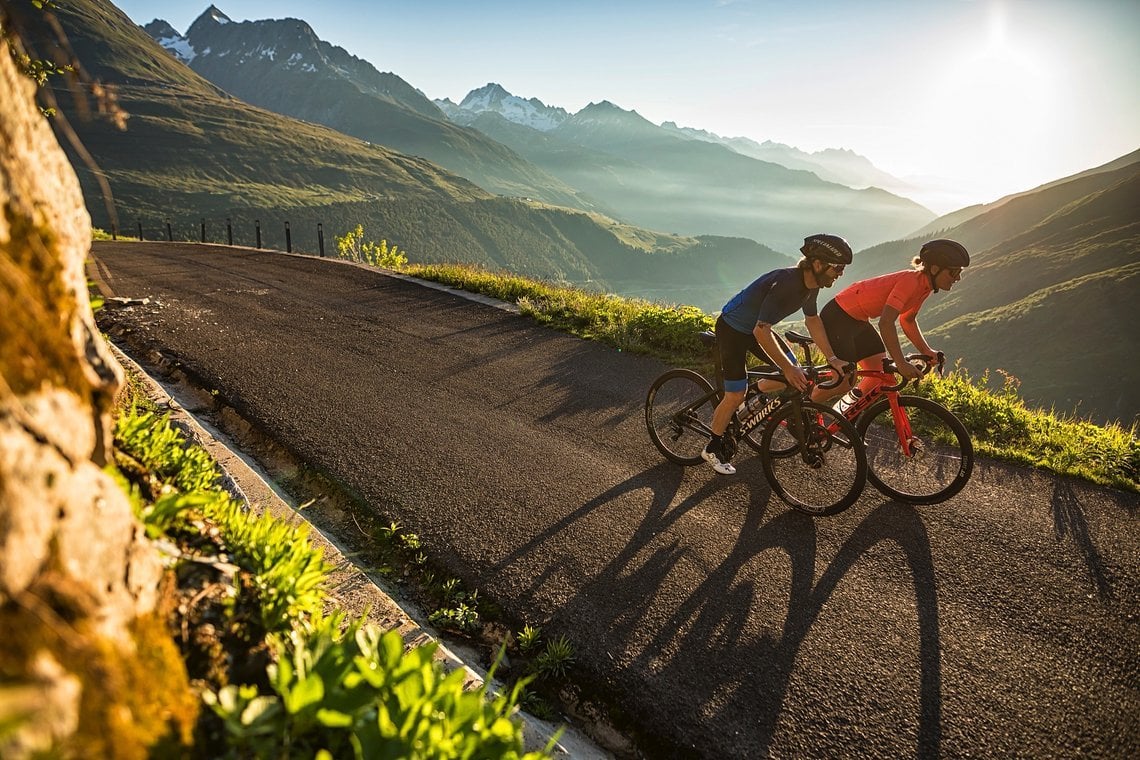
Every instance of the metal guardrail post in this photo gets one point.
(229, 231)
(288, 239)
(257, 229)
(321, 238)
(140, 231)
(114, 232)
(169, 232)
(203, 230)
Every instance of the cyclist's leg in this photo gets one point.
(733, 347)
(869, 346)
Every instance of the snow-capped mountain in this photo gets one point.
(282, 65)
(167, 36)
(532, 113)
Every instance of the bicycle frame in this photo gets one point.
(888, 386)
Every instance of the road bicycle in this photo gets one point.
(917, 450)
(812, 456)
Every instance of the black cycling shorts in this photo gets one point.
(734, 347)
(851, 339)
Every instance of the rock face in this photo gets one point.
(64, 523)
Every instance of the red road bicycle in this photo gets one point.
(917, 450)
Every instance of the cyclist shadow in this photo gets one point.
(662, 482)
(1069, 520)
(698, 640)
(713, 614)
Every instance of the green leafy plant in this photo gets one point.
(352, 691)
(148, 441)
(555, 660)
(463, 618)
(353, 247)
(528, 638)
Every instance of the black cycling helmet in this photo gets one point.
(945, 253)
(831, 249)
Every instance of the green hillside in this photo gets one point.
(1065, 343)
(192, 152)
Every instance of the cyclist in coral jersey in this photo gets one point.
(891, 298)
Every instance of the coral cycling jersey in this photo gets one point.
(904, 291)
(769, 299)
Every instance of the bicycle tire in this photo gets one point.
(941, 467)
(826, 471)
(678, 410)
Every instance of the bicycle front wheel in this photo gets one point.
(678, 411)
(822, 467)
(940, 457)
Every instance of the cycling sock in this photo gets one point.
(714, 443)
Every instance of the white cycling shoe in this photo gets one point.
(724, 468)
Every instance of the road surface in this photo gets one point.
(1004, 623)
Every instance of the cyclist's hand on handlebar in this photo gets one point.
(840, 366)
(796, 378)
(908, 371)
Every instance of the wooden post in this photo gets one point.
(321, 238)
(229, 231)
(288, 239)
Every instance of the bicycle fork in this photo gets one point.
(902, 426)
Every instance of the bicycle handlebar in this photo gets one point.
(922, 362)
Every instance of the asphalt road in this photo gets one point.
(1004, 623)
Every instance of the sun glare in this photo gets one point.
(991, 109)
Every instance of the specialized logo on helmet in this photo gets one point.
(827, 245)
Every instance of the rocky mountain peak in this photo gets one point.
(494, 97)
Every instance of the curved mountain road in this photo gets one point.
(1005, 623)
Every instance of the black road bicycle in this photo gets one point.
(812, 456)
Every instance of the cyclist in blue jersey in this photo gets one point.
(745, 324)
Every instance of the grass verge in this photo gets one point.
(279, 676)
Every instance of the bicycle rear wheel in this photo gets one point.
(678, 411)
(825, 470)
(942, 454)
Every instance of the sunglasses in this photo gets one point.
(837, 268)
(954, 272)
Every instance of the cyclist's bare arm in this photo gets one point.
(910, 328)
(767, 341)
(890, 336)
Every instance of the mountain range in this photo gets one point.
(194, 154)
(1048, 298)
(602, 158)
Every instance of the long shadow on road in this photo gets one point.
(696, 647)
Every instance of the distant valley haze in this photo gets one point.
(961, 102)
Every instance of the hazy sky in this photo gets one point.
(991, 96)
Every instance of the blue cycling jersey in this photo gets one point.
(770, 299)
